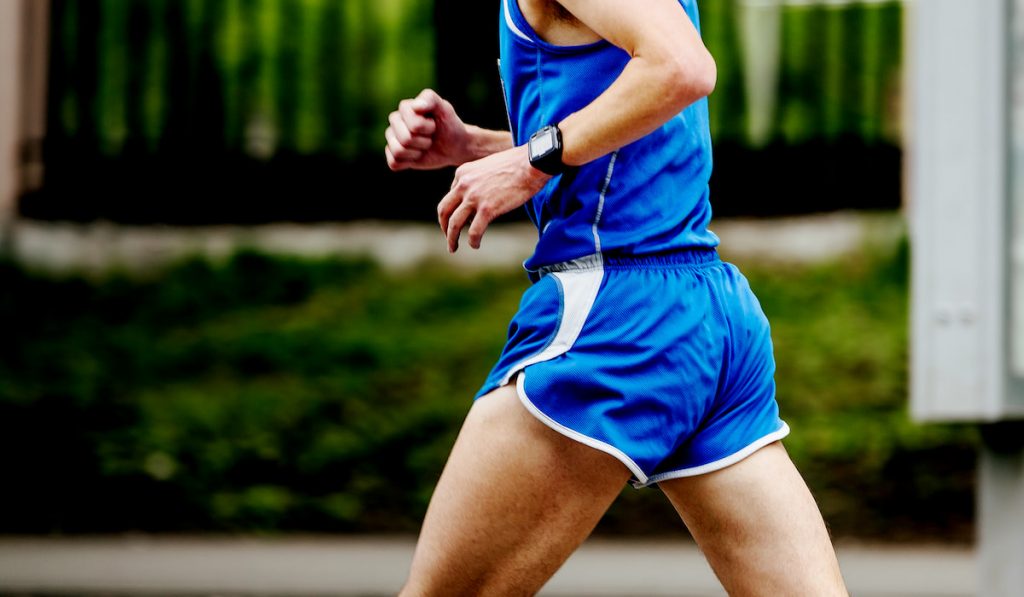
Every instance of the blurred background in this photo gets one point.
(278, 372)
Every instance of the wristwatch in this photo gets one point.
(545, 148)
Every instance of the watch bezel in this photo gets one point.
(550, 160)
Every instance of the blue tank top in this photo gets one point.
(647, 197)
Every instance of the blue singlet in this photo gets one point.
(648, 197)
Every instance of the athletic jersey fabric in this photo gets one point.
(648, 197)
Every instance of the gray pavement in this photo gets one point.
(102, 245)
(148, 565)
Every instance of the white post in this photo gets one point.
(761, 36)
(1000, 521)
(24, 41)
(11, 18)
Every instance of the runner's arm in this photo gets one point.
(670, 68)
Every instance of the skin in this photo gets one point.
(516, 498)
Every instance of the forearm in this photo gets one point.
(484, 142)
(647, 93)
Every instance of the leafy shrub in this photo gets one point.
(264, 393)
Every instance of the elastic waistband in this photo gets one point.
(679, 258)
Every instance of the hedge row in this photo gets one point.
(264, 393)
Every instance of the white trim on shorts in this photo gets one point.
(721, 463)
(576, 435)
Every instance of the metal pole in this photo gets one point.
(1001, 510)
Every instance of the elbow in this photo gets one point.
(706, 76)
(692, 77)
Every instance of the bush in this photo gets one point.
(265, 393)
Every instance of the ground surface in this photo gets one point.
(56, 245)
(145, 565)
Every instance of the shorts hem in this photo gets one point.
(573, 434)
(719, 464)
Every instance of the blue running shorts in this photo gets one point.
(663, 361)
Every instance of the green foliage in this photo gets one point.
(271, 393)
(841, 335)
(320, 76)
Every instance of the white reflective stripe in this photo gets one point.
(600, 200)
(576, 435)
(579, 290)
(512, 25)
(720, 463)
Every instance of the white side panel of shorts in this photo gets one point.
(579, 291)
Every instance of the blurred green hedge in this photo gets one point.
(264, 393)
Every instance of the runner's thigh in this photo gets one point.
(759, 527)
(515, 499)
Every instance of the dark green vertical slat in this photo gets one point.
(262, 128)
(800, 84)
(309, 112)
(248, 74)
(112, 77)
(832, 71)
(64, 109)
(727, 104)
(852, 74)
(416, 65)
(365, 64)
(352, 79)
(871, 75)
(287, 72)
(892, 25)
(209, 106)
(331, 70)
(230, 54)
(155, 90)
(135, 37)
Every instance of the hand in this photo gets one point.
(425, 133)
(485, 189)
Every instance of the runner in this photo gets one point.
(637, 354)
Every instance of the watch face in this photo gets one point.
(542, 144)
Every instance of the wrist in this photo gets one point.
(532, 173)
(482, 142)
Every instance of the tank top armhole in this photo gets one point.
(516, 22)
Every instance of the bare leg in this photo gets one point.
(516, 498)
(759, 527)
